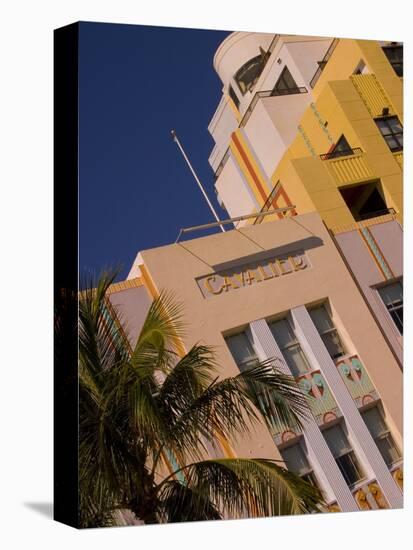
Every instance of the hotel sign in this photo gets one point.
(252, 274)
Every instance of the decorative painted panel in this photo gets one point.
(370, 497)
(357, 380)
(349, 169)
(397, 474)
(321, 400)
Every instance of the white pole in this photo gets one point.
(176, 140)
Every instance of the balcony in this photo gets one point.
(356, 379)
(349, 168)
(268, 93)
(322, 64)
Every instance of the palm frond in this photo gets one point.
(251, 487)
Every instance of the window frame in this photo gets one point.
(345, 152)
(287, 89)
(391, 134)
(348, 452)
(396, 64)
(392, 308)
(386, 434)
(329, 331)
(309, 474)
(243, 365)
(293, 344)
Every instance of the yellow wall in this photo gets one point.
(345, 104)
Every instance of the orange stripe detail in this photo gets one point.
(249, 166)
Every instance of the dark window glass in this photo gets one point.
(395, 55)
(233, 96)
(392, 132)
(341, 149)
(242, 351)
(286, 83)
(381, 435)
(392, 296)
(344, 455)
(290, 347)
(248, 74)
(365, 200)
(296, 461)
(327, 331)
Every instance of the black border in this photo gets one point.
(66, 101)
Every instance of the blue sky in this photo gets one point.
(135, 84)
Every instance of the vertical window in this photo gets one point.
(341, 149)
(381, 435)
(392, 296)
(394, 54)
(392, 131)
(343, 454)
(286, 83)
(290, 347)
(296, 461)
(233, 96)
(326, 329)
(242, 351)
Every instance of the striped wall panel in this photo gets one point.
(354, 421)
(372, 94)
(265, 342)
(349, 169)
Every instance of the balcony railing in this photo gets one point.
(268, 93)
(376, 214)
(340, 154)
(322, 64)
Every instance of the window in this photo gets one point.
(392, 296)
(341, 149)
(290, 347)
(286, 83)
(233, 96)
(392, 131)
(394, 54)
(381, 435)
(242, 351)
(327, 331)
(344, 455)
(247, 76)
(364, 200)
(296, 461)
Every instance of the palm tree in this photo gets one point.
(148, 416)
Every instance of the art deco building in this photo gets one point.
(312, 125)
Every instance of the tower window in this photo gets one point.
(343, 454)
(296, 461)
(286, 83)
(290, 347)
(246, 77)
(394, 54)
(392, 131)
(365, 200)
(381, 435)
(392, 296)
(242, 351)
(233, 96)
(328, 332)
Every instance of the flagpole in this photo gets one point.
(176, 140)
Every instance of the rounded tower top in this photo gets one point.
(241, 54)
